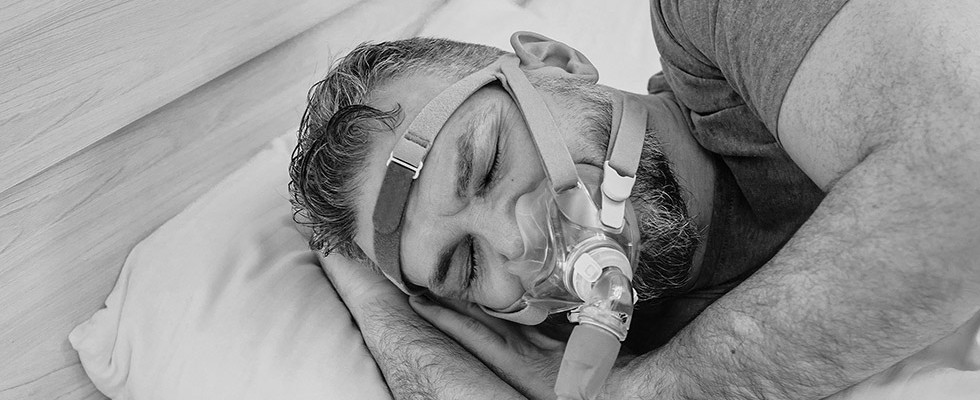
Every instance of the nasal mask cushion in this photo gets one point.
(559, 220)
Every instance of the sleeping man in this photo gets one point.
(805, 197)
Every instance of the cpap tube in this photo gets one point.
(603, 322)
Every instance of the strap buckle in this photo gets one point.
(616, 190)
(405, 164)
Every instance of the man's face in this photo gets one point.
(459, 226)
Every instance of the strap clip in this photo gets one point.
(405, 164)
(616, 190)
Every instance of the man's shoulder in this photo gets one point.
(720, 54)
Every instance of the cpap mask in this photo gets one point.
(578, 256)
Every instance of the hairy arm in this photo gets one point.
(417, 360)
(884, 114)
(420, 362)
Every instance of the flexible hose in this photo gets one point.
(588, 359)
(594, 344)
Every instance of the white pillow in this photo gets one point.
(616, 36)
(226, 301)
(948, 369)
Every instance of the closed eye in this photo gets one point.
(490, 179)
(474, 264)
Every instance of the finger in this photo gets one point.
(358, 284)
(338, 271)
(503, 328)
(340, 267)
(489, 346)
(334, 267)
(508, 330)
(345, 271)
(468, 331)
(541, 340)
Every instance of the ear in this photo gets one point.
(539, 52)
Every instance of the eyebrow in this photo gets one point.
(464, 152)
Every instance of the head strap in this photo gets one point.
(554, 154)
(619, 170)
(405, 164)
(406, 160)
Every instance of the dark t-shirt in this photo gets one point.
(729, 63)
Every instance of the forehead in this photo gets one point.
(411, 93)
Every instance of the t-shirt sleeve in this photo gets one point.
(754, 46)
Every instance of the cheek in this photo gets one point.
(423, 233)
(526, 169)
(414, 254)
(500, 289)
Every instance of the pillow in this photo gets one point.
(226, 301)
(616, 36)
(949, 370)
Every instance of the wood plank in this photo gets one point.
(70, 381)
(72, 72)
(65, 233)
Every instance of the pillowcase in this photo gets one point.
(948, 369)
(616, 36)
(226, 301)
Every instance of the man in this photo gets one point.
(807, 199)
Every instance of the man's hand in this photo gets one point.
(362, 288)
(416, 359)
(527, 359)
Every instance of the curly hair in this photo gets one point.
(337, 129)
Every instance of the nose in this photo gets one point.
(498, 227)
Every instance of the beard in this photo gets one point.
(669, 237)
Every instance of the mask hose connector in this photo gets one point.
(603, 322)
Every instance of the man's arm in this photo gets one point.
(884, 114)
(417, 360)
